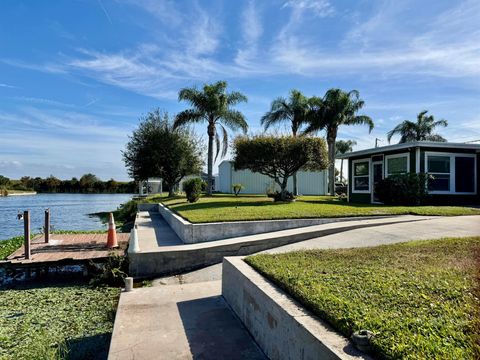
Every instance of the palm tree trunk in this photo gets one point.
(295, 186)
(211, 136)
(341, 170)
(331, 137)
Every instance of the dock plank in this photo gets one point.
(68, 247)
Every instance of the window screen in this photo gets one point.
(361, 176)
(439, 168)
(397, 165)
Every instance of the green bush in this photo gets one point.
(204, 186)
(193, 189)
(237, 188)
(405, 189)
(112, 273)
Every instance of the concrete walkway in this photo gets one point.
(190, 321)
(185, 317)
(379, 235)
(457, 226)
(154, 232)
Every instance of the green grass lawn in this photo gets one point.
(258, 207)
(421, 299)
(57, 322)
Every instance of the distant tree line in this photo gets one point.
(87, 184)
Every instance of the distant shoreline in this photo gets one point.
(17, 193)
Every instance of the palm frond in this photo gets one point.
(217, 145)
(441, 122)
(235, 98)
(234, 119)
(435, 137)
(224, 141)
(361, 120)
(406, 129)
(279, 111)
(188, 116)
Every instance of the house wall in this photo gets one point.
(224, 177)
(309, 182)
(436, 199)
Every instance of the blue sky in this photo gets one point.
(76, 75)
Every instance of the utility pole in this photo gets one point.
(376, 142)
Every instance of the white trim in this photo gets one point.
(386, 157)
(369, 176)
(381, 162)
(417, 160)
(452, 157)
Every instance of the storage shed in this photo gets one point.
(308, 182)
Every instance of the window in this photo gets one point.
(439, 168)
(397, 164)
(452, 173)
(464, 174)
(361, 176)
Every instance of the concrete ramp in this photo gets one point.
(163, 259)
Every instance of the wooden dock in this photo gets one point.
(66, 249)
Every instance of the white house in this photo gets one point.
(308, 182)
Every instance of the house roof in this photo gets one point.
(414, 144)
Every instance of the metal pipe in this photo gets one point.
(47, 226)
(26, 228)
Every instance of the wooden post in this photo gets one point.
(47, 225)
(26, 227)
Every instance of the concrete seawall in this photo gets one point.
(281, 326)
(197, 233)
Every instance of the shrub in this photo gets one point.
(193, 189)
(204, 186)
(112, 273)
(405, 189)
(237, 188)
(277, 196)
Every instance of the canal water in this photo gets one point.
(67, 211)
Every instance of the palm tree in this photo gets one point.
(422, 130)
(336, 108)
(213, 105)
(343, 147)
(293, 110)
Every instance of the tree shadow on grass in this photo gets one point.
(93, 347)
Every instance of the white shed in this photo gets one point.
(308, 182)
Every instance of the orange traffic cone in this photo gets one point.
(112, 235)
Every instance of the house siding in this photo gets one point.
(308, 182)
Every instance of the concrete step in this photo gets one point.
(190, 321)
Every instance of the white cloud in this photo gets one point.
(252, 30)
(320, 8)
(447, 46)
(7, 86)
